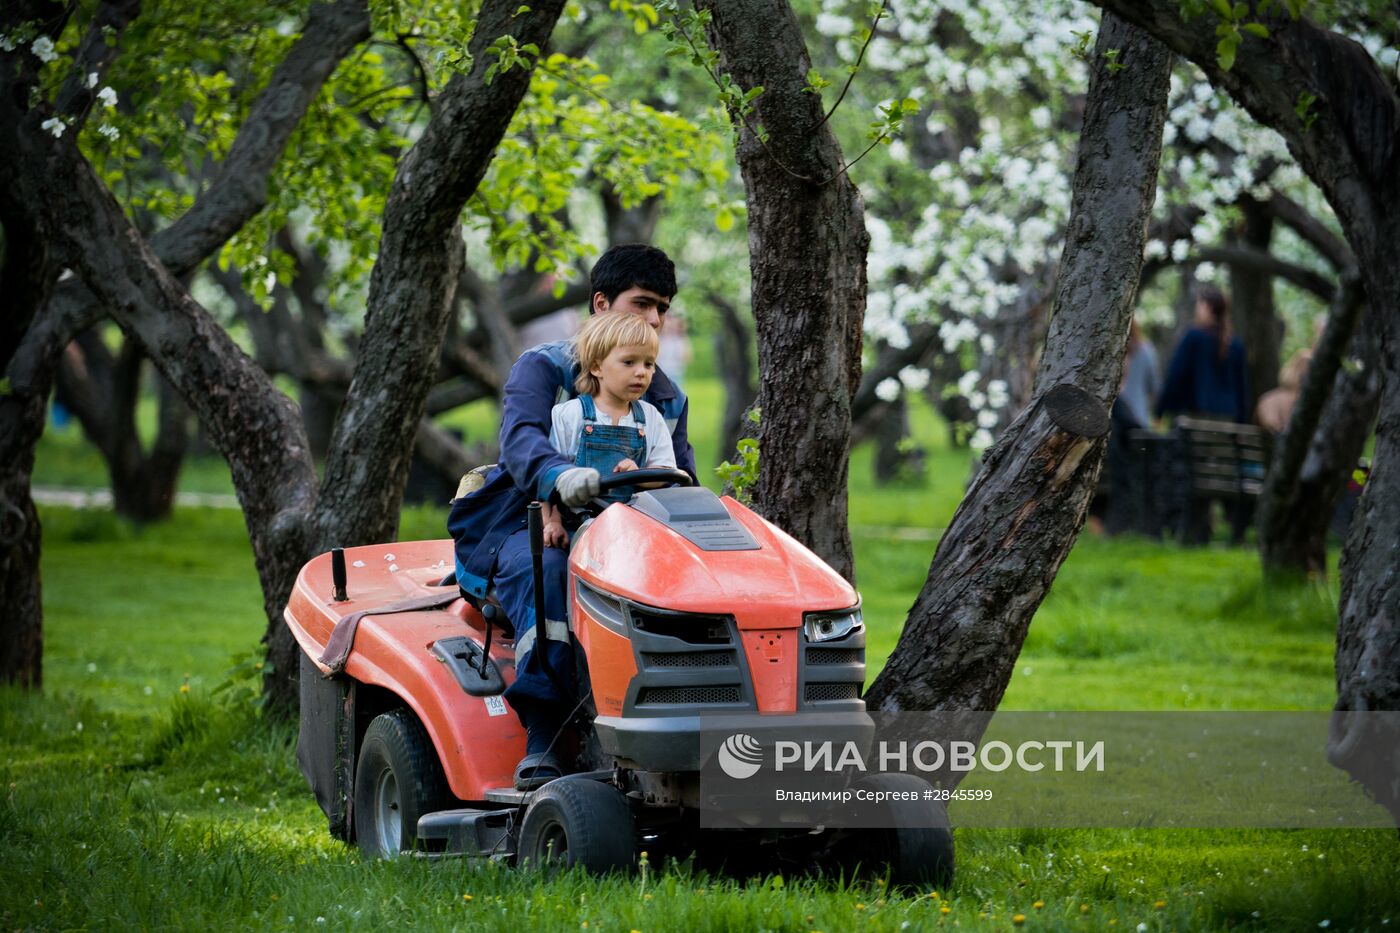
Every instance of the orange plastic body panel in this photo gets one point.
(769, 588)
(477, 744)
(767, 591)
(611, 663)
(772, 657)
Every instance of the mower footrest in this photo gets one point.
(484, 833)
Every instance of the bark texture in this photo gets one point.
(1021, 515)
(807, 245)
(1350, 147)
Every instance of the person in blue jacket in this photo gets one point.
(489, 526)
(1208, 374)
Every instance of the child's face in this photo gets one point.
(626, 372)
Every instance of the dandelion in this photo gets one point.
(1083, 908)
(945, 910)
(1038, 905)
(108, 97)
(860, 907)
(184, 688)
(54, 126)
(1160, 904)
(466, 897)
(1019, 919)
(646, 897)
(42, 48)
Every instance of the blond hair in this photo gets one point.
(603, 333)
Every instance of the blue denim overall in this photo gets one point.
(603, 446)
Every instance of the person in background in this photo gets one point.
(1276, 406)
(1141, 381)
(1207, 374)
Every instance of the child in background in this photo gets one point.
(608, 427)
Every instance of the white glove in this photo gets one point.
(577, 485)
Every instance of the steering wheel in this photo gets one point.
(668, 475)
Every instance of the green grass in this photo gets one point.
(132, 802)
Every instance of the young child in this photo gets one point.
(608, 427)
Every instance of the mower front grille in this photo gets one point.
(689, 695)
(684, 659)
(817, 693)
(835, 655)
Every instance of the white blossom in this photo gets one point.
(981, 439)
(913, 378)
(887, 390)
(997, 394)
(968, 381)
(109, 131)
(8, 43)
(107, 96)
(54, 125)
(91, 80)
(42, 48)
(986, 418)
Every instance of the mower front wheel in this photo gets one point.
(916, 844)
(397, 780)
(578, 822)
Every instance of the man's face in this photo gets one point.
(643, 301)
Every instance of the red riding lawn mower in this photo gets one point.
(726, 624)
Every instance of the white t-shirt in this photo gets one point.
(567, 428)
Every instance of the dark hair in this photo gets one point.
(1219, 307)
(632, 265)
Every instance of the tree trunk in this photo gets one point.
(1348, 148)
(1024, 510)
(1254, 316)
(33, 344)
(256, 427)
(1294, 511)
(807, 244)
(103, 393)
(411, 295)
(732, 359)
(26, 275)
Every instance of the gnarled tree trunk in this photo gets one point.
(1018, 520)
(1347, 144)
(807, 244)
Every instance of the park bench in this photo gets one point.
(1175, 477)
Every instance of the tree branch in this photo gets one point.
(1313, 231)
(1304, 278)
(95, 54)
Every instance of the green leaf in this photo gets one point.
(724, 220)
(1225, 51)
(1257, 29)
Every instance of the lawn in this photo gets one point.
(142, 789)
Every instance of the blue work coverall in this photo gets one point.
(489, 526)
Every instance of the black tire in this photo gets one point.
(578, 822)
(397, 780)
(918, 849)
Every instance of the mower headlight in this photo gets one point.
(829, 626)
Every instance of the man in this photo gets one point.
(489, 526)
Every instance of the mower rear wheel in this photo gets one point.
(397, 780)
(576, 821)
(918, 848)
